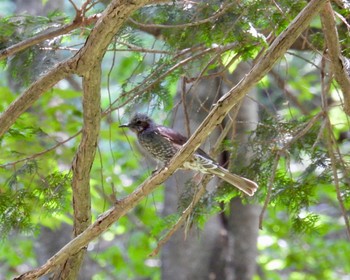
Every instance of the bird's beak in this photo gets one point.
(125, 125)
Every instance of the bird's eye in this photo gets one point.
(139, 122)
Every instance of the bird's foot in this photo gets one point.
(155, 171)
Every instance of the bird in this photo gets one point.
(162, 143)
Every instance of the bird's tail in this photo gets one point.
(206, 165)
(245, 185)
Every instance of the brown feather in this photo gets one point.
(245, 185)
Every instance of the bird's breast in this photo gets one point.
(157, 145)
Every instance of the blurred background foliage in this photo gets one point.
(304, 235)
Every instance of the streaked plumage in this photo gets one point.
(163, 143)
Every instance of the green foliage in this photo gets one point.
(284, 251)
(304, 212)
(25, 66)
(28, 26)
(232, 26)
(13, 252)
(27, 193)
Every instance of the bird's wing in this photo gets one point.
(172, 135)
(178, 139)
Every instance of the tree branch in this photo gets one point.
(47, 34)
(332, 40)
(184, 215)
(33, 156)
(91, 71)
(111, 20)
(33, 93)
(262, 67)
(148, 84)
(146, 27)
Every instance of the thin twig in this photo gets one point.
(185, 214)
(334, 163)
(109, 78)
(228, 126)
(134, 48)
(281, 151)
(331, 144)
(184, 105)
(74, 6)
(303, 131)
(42, 152)
(288, 92)
(269, 189)
(47, 34)
(343, 19)
(140, 89)
(217, 14)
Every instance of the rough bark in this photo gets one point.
(243, 229)
(81, 167)
(331, 35)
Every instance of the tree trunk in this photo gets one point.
(243, 221)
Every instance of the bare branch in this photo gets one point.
(90, 69)
(74, 6)
(336, 159)
(334, 162)
(269, 189)
(134, 48)
(331, 36)
(111, 20)
(87, 63)
(33, 93)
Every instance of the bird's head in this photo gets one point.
(138, 123)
